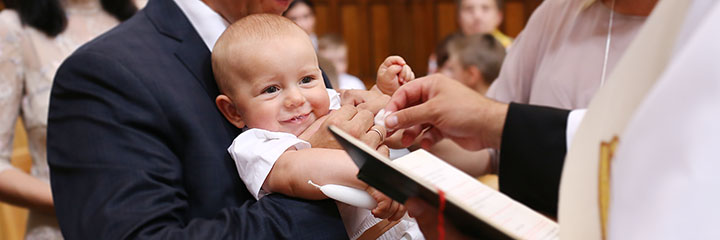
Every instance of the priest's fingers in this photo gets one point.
(410, 104)
(410, 134)
(431, 136)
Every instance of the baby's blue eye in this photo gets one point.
(271, 89)
(306, 79)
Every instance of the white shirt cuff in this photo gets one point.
(574, 119)
(255, 151)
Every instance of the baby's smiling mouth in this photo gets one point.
(297, 119)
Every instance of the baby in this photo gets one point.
(271, 85)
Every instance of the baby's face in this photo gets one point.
(281, 87)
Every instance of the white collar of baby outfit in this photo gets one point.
(207, 23)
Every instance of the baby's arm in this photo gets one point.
(293, 169)
(393, 73)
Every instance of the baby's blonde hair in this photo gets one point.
(242, 37)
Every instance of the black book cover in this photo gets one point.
(376, 171)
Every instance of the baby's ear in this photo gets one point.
(476, 79)
(229, 110)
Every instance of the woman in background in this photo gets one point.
(302, 13)
(567, 51)
(35, 37)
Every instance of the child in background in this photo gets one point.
(480, 17)
(333, 48)
(474, 60)
(277, 94)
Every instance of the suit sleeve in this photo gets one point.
(115, 175)
(532, 154)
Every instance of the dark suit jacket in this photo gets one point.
(532, 154)
(137, 148)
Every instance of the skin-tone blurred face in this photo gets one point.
(233, 10)
(303, 16)
(338, 57)
(284, 92)
(454, 70)
(470, 76)
(479, 16)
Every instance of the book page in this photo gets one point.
(493, 207)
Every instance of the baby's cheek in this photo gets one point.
(322, 108)
(320, 103)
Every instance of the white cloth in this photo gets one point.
(207, 23)
(256, 150)
(574, 119)
(666, 165)
(347, 81)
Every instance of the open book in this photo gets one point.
(472, 207)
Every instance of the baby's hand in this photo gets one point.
(393, 73)
(386, 207)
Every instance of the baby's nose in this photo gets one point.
(294, 98)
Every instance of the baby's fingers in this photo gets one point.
(394, 60)
(406, 75)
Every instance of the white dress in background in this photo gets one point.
(28, 62)
(557, 59)
(347, 81)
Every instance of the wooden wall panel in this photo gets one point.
(375, 29)
(380, 43)
(513, 24)
(447, 19)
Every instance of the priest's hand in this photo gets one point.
(439, 107)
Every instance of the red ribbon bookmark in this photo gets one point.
(441, 218)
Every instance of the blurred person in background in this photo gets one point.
(475, 61)
(474, 17)
(567, 50)
(302, 12)
(35, 37)
(482, 16)
(332, 47)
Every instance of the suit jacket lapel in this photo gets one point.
(196, 57)
(192, 52)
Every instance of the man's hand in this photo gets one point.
(439, 107)
(386, 207)
(372, 100)
(350, 119)
(393, 73)
(427, 219)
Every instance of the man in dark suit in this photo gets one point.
(137, 148)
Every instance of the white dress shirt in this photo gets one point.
(207, 23)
